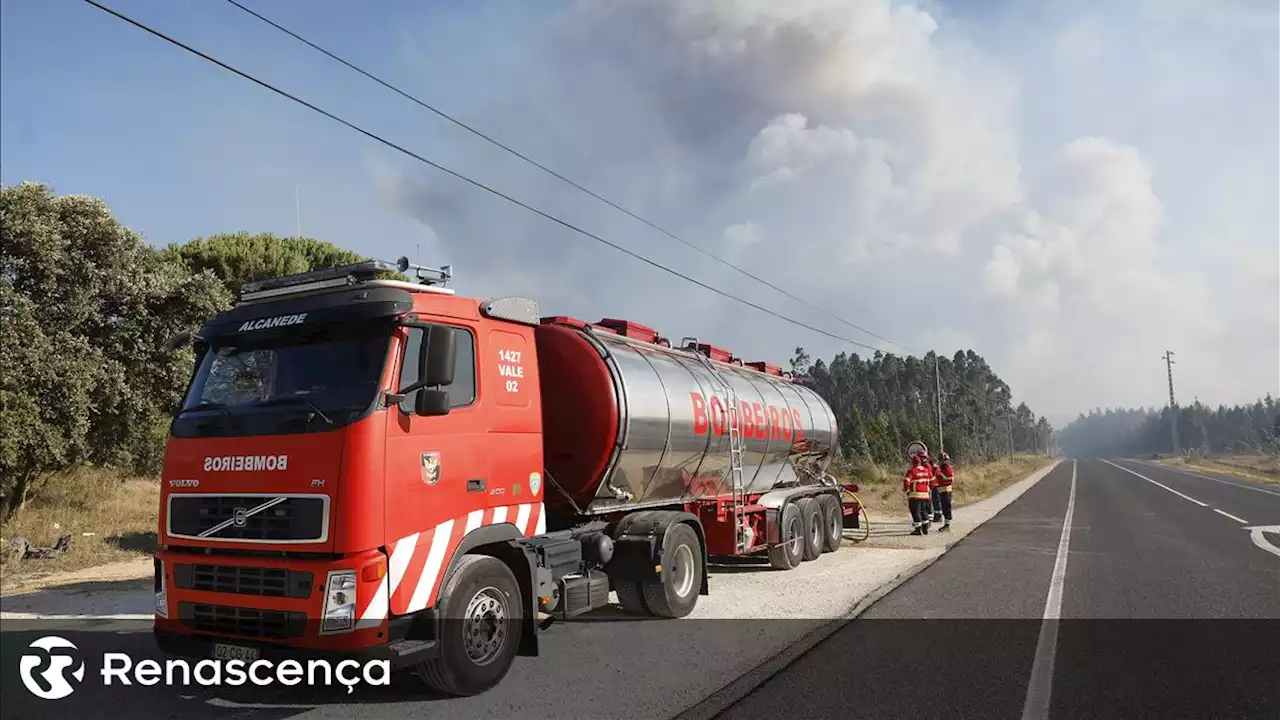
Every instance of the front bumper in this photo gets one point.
(398, 653)
(296, 617)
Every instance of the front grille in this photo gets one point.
(249, 622)
(269, 582)
(292, 518)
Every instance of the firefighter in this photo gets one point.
(916, 486)
(934, 500)
(943, 481)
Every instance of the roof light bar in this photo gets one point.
(353, 272)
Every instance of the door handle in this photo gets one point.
(476, 485)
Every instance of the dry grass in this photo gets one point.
(1256, 467)
(119, 512)
(881, 489)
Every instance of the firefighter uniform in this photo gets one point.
(943, 482)
(916, 485)
(935, 504)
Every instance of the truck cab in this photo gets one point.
(350, 451)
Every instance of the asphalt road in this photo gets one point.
(1168, 608)
(1159, 605)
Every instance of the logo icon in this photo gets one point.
(430, 467)
(239, 516)
(535, 482)
(55, 675)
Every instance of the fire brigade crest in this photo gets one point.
(430, 467)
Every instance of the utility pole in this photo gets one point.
(937, 391)
(1173, 405)
(1009, 418)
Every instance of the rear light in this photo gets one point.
(339, 602)
(158, 587)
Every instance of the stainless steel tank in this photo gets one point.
(663, 408)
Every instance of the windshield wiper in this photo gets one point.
(294, 399)
(226, 413)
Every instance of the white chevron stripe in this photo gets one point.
(542, 520)
(522, 518)
(499, 515)
(400, 557)
(377, 609)
(474, 518)
(435, 558)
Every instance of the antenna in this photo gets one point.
(426, 275)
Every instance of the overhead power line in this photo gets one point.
(464, 178)
(427, 106)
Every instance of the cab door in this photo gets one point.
(437, 471)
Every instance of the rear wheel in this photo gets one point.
(833, 517)
(788, 552)
(481, 616)
(674, 593)
(630, 597)
(811, 514)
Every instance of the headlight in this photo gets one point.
(162, 600)
(339, 602)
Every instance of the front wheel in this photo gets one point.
(481, 616)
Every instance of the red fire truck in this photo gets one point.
(377, 468)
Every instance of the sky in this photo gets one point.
(1067, 187)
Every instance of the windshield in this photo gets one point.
(300, 384)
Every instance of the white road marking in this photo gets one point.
(1040, 686)
(1217, 480)
(1153, 482)
(1258, 534)
(68, 618)
(1233, 517)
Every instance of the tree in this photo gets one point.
(1241, 428)
(853, 438)
(240, 257)
(800, 363)
(86, 309)
(897, 399)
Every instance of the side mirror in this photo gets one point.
(437, 359)
(177, 341)
(431, 403)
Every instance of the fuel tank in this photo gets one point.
(629, 421)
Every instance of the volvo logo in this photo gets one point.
(239, 516)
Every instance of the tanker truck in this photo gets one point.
(373, 468)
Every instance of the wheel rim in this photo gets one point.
(836, 525)
(682, 571)
(815, 536)
(795, 532)
(484, 627)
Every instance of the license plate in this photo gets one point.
(235, 652)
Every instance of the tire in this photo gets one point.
(811, 514)
(675, 592)
(833, 517)
(481, 590)
(630, 597)
(786, 555)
